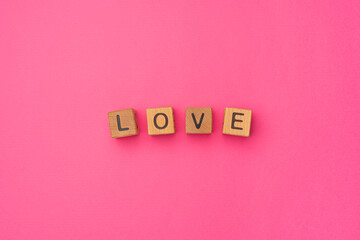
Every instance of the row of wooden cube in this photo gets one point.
(198, 121)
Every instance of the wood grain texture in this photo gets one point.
(160, 121)
(237, 122)
(123, 123)
(198, 120)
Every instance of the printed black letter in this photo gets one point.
(198, 125)
(119, 124)
(166, 120)
(233, 120)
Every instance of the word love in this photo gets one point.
(161, 121)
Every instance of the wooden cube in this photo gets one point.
(160, 121)
(123, 123)
(237, 122)
(199, 120)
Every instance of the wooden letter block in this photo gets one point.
(123, 123)
(237, 122)
(160, 121)
(199, 120)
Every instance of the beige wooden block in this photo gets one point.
(123, 123)
(199, 120)
(160, 121)
(237, 122)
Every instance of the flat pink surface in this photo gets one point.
(65, 64)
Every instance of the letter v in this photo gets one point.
(198, 125)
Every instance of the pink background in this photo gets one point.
(65, 64)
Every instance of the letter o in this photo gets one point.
(166, 120)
